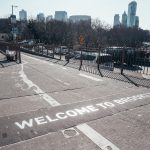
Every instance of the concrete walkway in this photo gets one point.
(2, 57)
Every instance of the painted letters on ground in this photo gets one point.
(45, 119)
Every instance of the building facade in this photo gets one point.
(23, 15)
(136, 21)
(131, 14)
(116, 20)
(61, 15)
(40, 17)
(78, 18)
(49, 18)
(124, 19)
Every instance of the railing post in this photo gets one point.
(19, 54)
(47, 47)
(81, 59)
(122, 59)
(60, 53)
(42, 48)
(53, 49)
(98, 60)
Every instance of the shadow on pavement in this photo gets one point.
(5, 63)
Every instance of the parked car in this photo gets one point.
(69, 56)
(85, 55)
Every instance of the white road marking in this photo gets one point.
(64, 68)
(65, 83)
(30, 84)
(90, 77)
(97, 138)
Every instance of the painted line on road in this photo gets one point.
(39, 91)
(64, 68)
(65, 83)
(98, 139)
(90, 77)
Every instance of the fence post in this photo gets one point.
(47, 48)
(122, 59)
(53, 49)
(98, 60)
(42, 48)
(60, 53)
(19, 53)
(81, 59)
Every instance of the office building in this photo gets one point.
(136, 21)
(40, 17)
(124, 19)
(131, 14)
(49, 18)
(61, 15)
(23, 15)
(116, 20)
(78, 18)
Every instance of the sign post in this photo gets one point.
(81, 41)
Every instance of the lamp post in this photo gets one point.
(14, 32)
(13, 21)
(13, 6)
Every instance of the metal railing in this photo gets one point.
(113, 60)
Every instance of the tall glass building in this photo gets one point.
(124, 19)
(116, 20)
(131, 14)
(136, 21)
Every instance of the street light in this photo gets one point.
(13, 21)
(13, 6)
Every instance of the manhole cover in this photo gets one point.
(71, 132)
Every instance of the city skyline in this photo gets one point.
(129, 19)
(103, 10)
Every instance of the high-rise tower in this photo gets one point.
(131, 14)
(136, 21)
(116, 20)
(124, 19)
(23, 15)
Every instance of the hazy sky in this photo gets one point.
(102, 9)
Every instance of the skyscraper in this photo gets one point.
(136, 21)
(116, 20)
(124, 19)
(61, 15)
(131, 14)
(23, 15)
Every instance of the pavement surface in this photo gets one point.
(46, 106)
(2, 57)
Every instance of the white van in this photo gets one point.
(61, 50)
